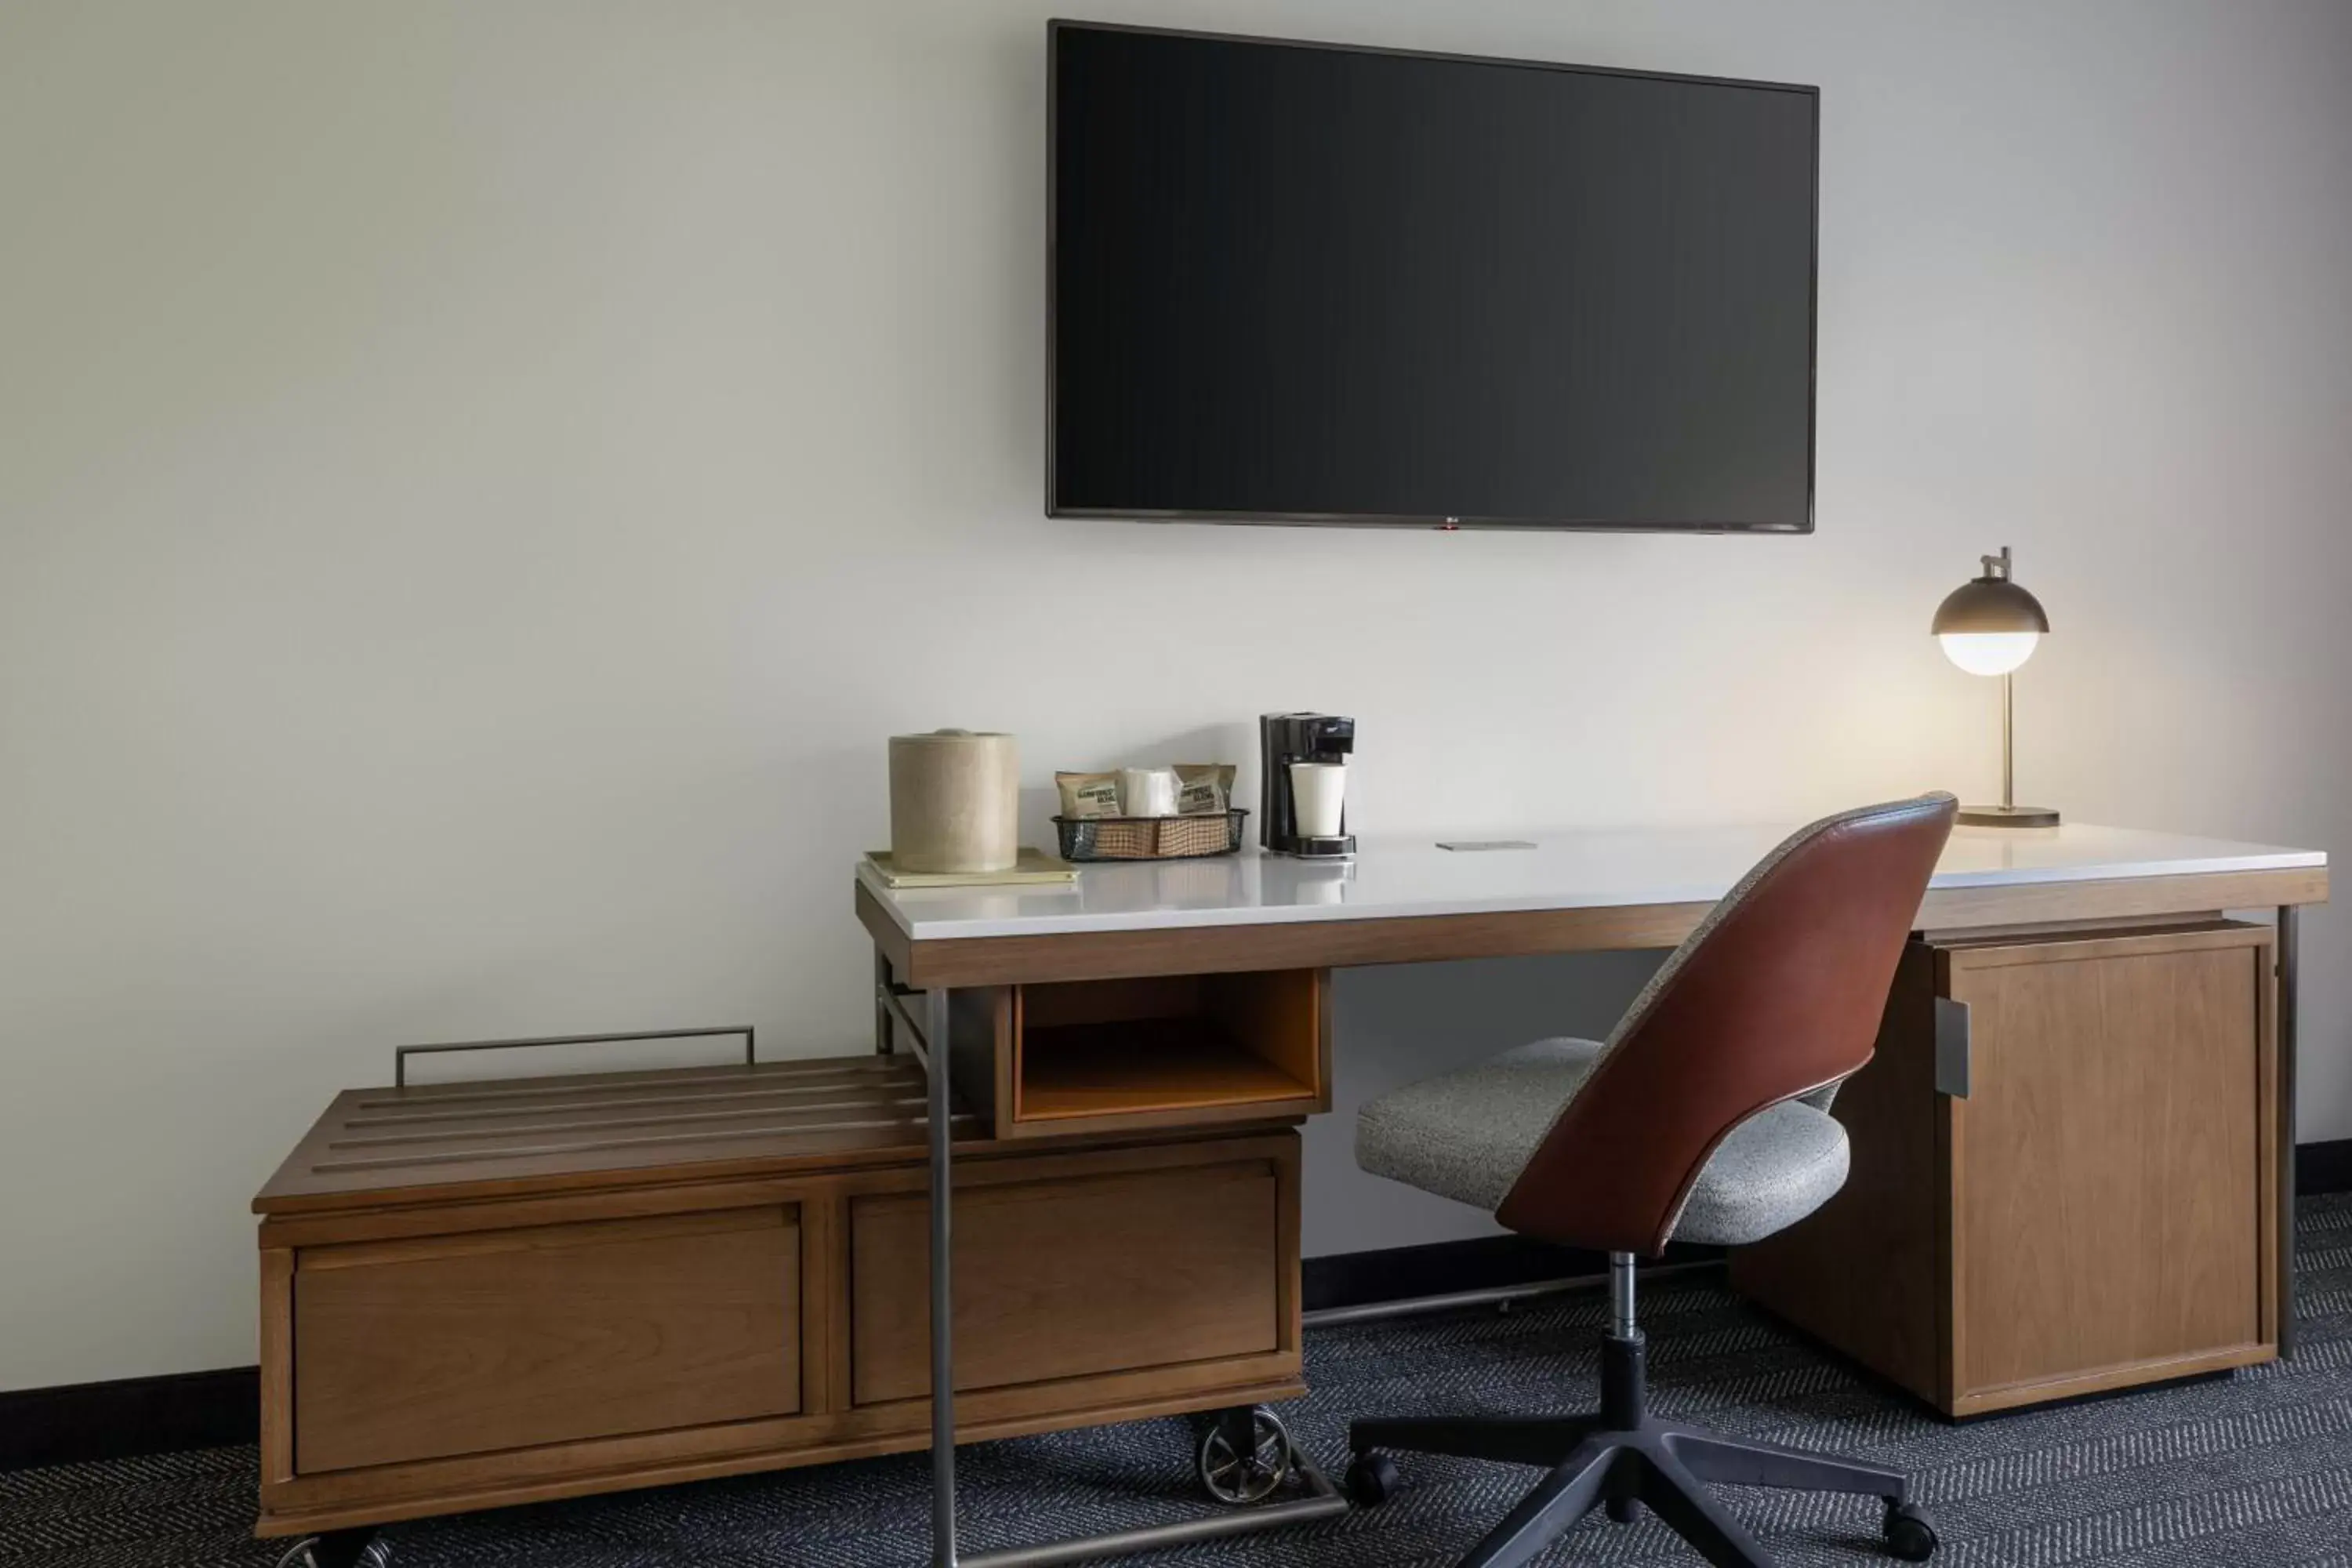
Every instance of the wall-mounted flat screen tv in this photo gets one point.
(1301, 283)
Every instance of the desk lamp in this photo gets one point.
(1989, 627)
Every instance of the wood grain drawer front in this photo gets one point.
(1062, 1279)
(444, 1346)
(2107, 1165)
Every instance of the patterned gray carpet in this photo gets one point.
(2255, 1468)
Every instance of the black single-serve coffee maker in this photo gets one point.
(1284, 738)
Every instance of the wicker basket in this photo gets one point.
(1150, 837)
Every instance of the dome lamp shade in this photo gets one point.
(1989, 625)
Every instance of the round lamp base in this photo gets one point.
(2007, 817)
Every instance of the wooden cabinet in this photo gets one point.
(497, 1293)
(2096, 1209)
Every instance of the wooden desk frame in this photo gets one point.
(922, 975)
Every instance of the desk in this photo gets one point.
(1408, 901)
(1120, 926)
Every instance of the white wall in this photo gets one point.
(477, 483)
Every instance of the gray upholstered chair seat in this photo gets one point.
(1467, 1135)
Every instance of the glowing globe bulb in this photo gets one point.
(1988, 653)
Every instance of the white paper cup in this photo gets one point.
(1317, 792)
(1146, 792)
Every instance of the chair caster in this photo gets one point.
(1371, 1480)
(1910, 1531)
(1250, 1471)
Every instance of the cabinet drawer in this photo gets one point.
(1068, 1277)
(462, 1344)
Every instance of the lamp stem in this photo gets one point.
(2008, 743)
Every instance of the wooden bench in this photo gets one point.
(499, 1292)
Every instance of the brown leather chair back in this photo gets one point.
(1777, 993)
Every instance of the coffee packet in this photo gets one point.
(1204, 789)
(1085, 795)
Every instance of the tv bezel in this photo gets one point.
(1054, 505)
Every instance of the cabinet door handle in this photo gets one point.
(1951, 1048)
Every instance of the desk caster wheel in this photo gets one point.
(1371, 1480)
(1910, 1531)
(1245, 1454)
(338, 1549)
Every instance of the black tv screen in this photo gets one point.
(1299, 283)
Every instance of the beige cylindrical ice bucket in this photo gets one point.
(955, 801)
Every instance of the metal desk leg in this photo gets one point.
(2288, 921)
(1323, 1501)
(941, 1128)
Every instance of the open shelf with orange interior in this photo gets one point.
(1103, 1055)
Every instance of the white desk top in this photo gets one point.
(1578, 869)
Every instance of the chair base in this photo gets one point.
(1622, 1457)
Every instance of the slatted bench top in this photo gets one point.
(516, 1137)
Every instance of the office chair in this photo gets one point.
(1704, 1116)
